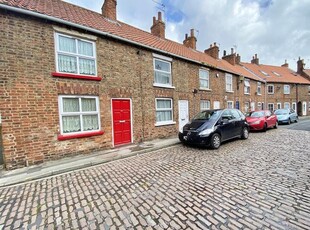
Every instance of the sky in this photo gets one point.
(275, 30)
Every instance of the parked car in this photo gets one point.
(211, 127)
(286, 116)
(261, 120)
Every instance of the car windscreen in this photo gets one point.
(257, 114)
(281, 112)
(208, 115)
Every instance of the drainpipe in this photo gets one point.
(1, 143)
(297, 98)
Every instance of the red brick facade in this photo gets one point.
(30, 91)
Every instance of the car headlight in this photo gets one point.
(256, 122)
(205, 132)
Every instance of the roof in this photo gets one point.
(90, 19)
(276, 74)
(307, 71)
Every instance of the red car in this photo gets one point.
(262, 120)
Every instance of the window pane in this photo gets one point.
(247, 83)
(70, 104)
(85, 48)
(89, 104)
(71, 124)
(90, 122)
(204, 105)
(204, 74)
(162, 78)
(204, 83)
(163, 66)
(67, 64)
(164, 104)
(67, 44)
(87, 66)
(163, 116)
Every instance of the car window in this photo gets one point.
(227, 115)
(207, 115)
(268, 113)
(235, 114)
(257, 114)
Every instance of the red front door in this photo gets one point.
(121, 121)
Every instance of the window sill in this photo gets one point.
(205, 89)
(246, 93)
(165, 123)
(229, 91)
(76, 76)
(163, 86)
(259, 94)
(79, 135)
(270, 93)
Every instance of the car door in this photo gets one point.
(227, 125)
(293, 115)
(269, 119)
(237, 122)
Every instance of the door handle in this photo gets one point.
(122, 121)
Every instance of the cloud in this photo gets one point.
(274, 29)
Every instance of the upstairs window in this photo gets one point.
(286, 89)
(229, 86)
(259, 88)
(162, 73)
(204, 79)
(75, 56)
(79, 114)
(246, 86)
(270, 89)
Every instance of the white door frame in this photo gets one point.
(304, 108)
(183, 121)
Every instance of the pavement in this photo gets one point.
(64, 165)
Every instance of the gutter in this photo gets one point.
(54, 19)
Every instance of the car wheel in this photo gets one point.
(289, 121)
(215, 141)
(265, 127)
(276, 125)
(245, 133)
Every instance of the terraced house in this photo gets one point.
(74, 81)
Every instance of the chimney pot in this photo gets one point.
(232, 50)
(160, 16)
(224, 53)
(192, 33)
(210, 45)
(214, 43)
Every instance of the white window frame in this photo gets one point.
(205, 102)
(259, 88)
(80, 113)
(279, 105)
(166, 60)
(247, 86)
(232, 104)
(169, 122)
(272, 105)
(285, 105)
(270, 85)
(286, 89)
(76, 55)
(229, 82)
(204, 79)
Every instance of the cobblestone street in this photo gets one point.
(259, 183)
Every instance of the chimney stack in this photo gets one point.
(255, 60)
(300, 66)
(108, 9)
(285, 64)
(158, 27)
(231, 58)
(190, 41)
(213, 51)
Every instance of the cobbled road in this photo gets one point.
(259, 183)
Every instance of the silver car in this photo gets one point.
(286, 116)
